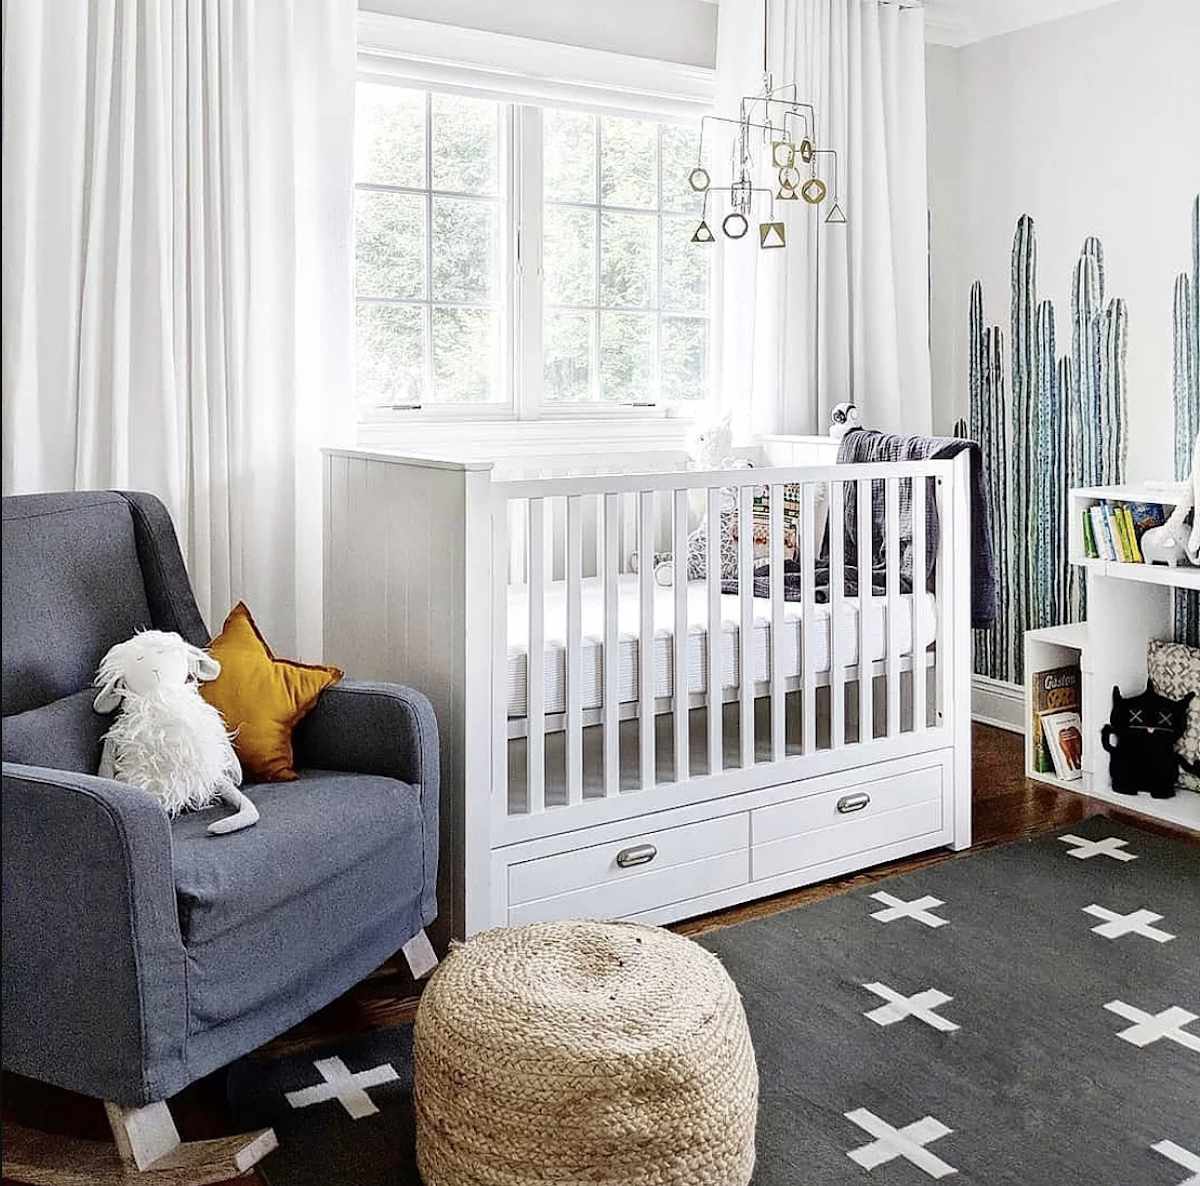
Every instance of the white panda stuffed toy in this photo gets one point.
(168, 740)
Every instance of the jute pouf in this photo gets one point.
(583, 1052)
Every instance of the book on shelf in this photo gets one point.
(1114, 530)
(1089, 537)
(1104, 538)
(1055, 690)
(1063, 733)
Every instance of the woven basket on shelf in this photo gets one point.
(580, 1052)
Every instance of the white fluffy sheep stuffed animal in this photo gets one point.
(168, 740)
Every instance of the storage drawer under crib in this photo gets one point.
(818, 829)
(642, 871)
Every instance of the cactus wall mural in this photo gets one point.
(1186, 318)
(1057, 422)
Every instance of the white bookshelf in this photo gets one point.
(1128, 605)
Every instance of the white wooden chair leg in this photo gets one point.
(144, 1134)
(147, 1152)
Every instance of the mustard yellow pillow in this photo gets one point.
(261, 698)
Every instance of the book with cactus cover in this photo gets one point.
(1055, 690)
(1145, 515)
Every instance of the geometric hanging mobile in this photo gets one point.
(775, 126)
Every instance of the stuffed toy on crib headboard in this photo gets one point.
(167, 739)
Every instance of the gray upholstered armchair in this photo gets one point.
(140, 953)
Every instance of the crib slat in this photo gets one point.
(746, 622)
(866, 588)
(920, 671)
(574, 566)
(892, 526)
(680, 634)
(646, 638)
(612, 568)
(836, 518)
(778, 736)
(808, 614)
(500, 578)
(536, 663)
(716, 633)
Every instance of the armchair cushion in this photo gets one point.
(73, 587)
(265, 911)
(63, 735)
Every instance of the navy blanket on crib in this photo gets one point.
(864, 446)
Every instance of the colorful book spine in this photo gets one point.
(1089, 538)
(1135, 551)
(1100, 532)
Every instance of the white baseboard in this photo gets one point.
(994, 702)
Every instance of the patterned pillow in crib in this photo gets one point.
(1175, 671)
(698, 540)
(697, 544)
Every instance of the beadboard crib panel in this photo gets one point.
(398, 550)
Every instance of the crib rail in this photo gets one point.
(700, 707)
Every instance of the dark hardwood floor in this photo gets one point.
(1006, 807)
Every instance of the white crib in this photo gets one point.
(617, 747)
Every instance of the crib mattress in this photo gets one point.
(817, 636)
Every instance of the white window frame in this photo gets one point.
(517, 72)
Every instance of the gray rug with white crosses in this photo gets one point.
(1023, 1016)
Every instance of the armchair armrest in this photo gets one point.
(386, 729)
(94, 965)
(373, 728)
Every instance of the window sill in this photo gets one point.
(487, 439)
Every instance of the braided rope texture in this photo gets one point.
(583, 1053)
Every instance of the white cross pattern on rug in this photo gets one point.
(920, 1005)
(1115, 925)
(349, 1090)
(1150, 1027)
(918, 909)
(1111, 846)
(1180, 1156)
(908, 1142)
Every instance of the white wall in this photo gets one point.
(667, 30)
(1091, 125)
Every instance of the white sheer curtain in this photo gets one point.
(177, 274)
(842, 312)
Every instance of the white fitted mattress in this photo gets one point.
(817, 636)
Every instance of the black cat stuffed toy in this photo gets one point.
(1140, 738)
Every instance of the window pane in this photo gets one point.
(466, 355)
(568, 156)
(684, 266)
(465, 144)
(627, 357)
(628, 262)
(389, 244)
(678, 160)
(389, 135)
(628, 162)
(390, 359)
(682, 358)
(567, 350)
(464, 250)
(569, 255)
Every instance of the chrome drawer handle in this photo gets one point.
(850, 803)
(640, 854)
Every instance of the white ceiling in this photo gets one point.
(960, 22)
